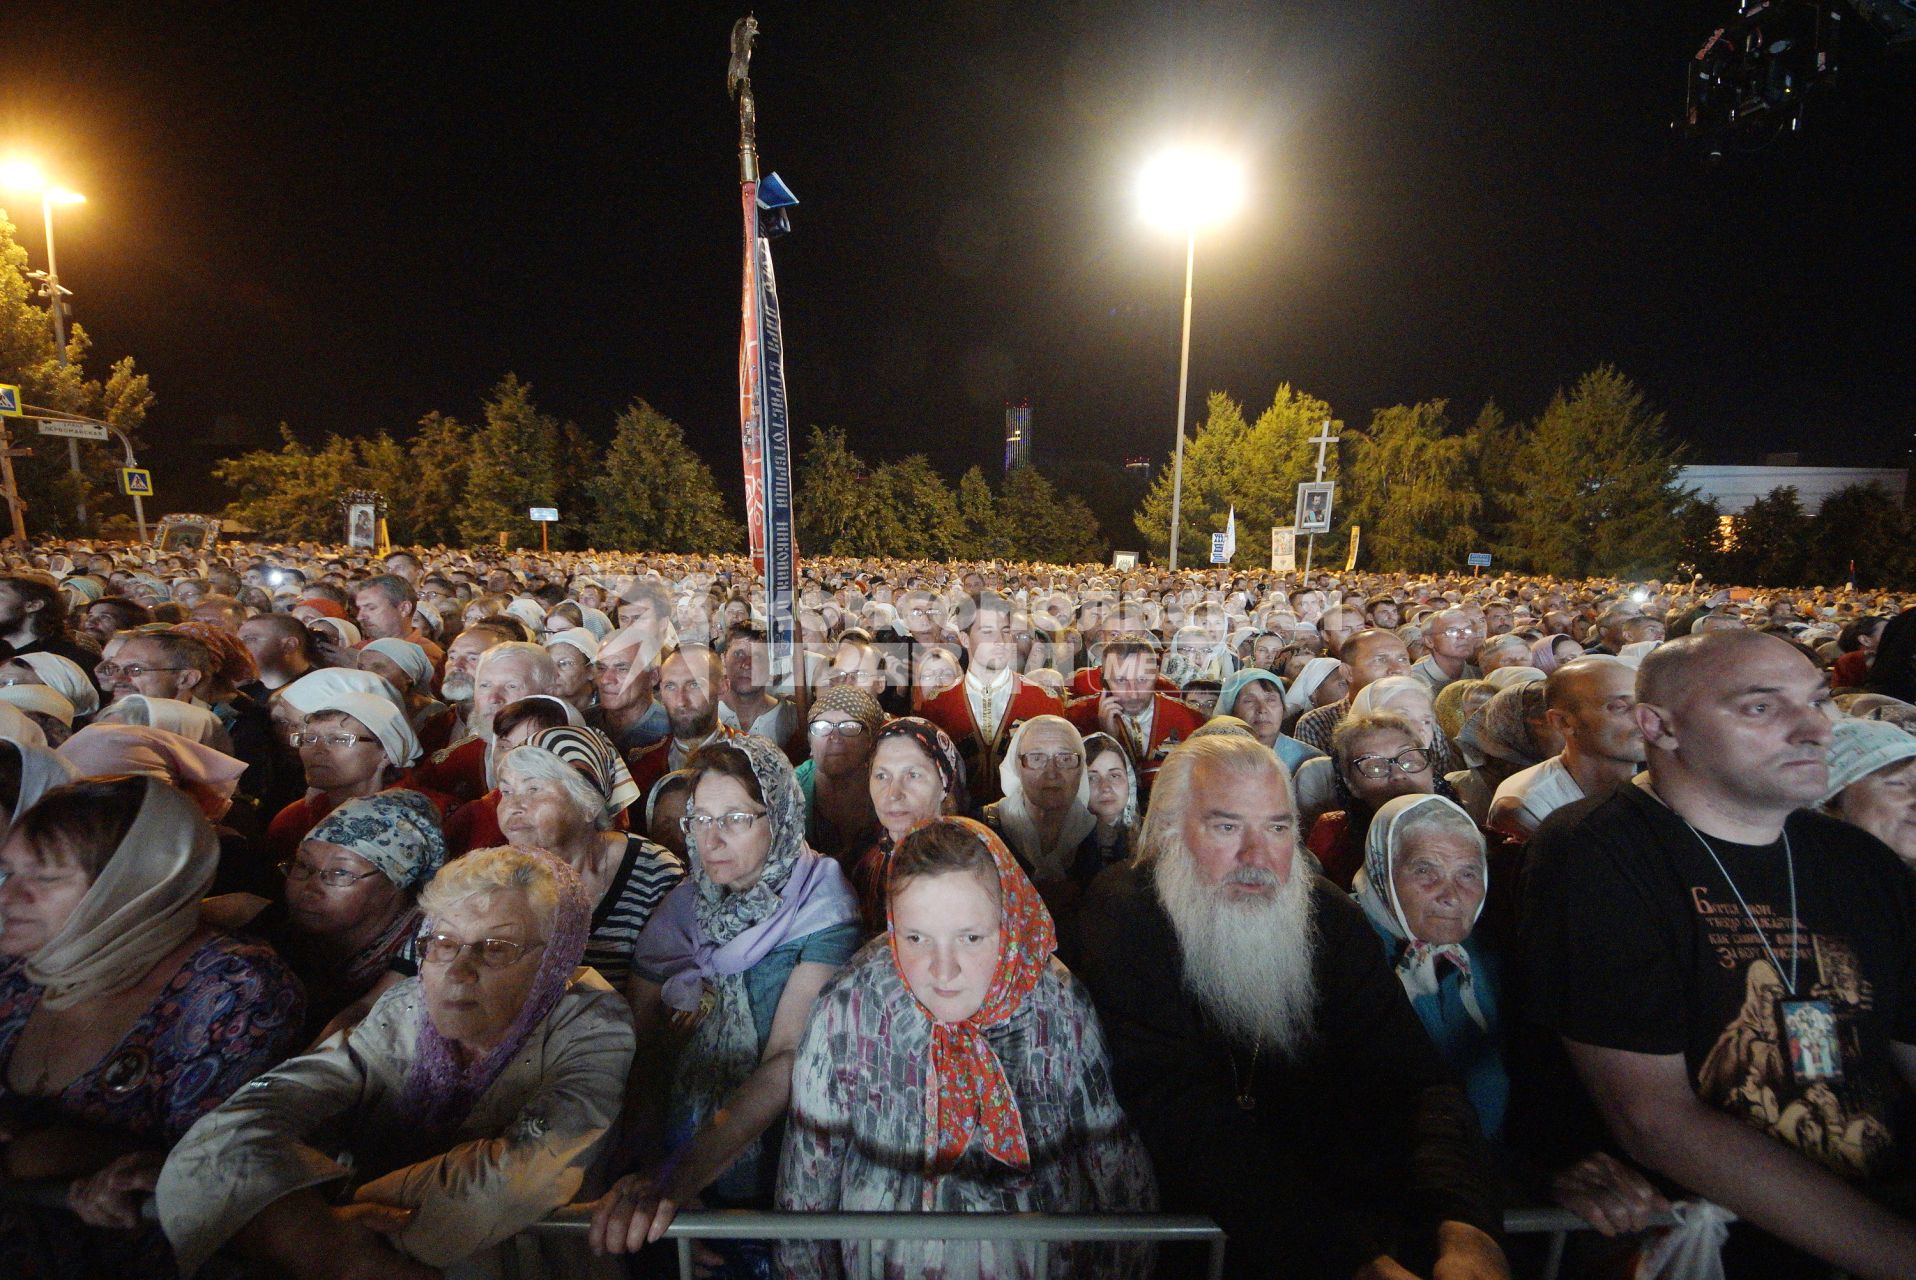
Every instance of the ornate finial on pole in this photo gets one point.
(738, 79)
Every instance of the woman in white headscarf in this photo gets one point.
(108, 968)
(63, 675)
(350, 745)
(45, 706)
(184, 718)
(26, 774)
(1319, 683)
(1046, 811)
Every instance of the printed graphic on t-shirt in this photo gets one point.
(1789, 1063)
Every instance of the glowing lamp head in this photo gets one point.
(1189, 189)
(20, 174)
(60, 195)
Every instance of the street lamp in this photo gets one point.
(1184, 190)
(18, 174)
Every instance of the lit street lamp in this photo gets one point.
(1184, 190)
(26, 177)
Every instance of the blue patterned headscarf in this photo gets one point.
(397, 831)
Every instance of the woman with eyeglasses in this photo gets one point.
(346, 916)
(1378, 756)
(1045, 815)
(835, 779)
(731, 962)
(470, 1102)
(350, 745)
(110, 980)
(562, 793)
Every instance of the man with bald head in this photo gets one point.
(1370, 655)
(1730, 973)
(1592, 703)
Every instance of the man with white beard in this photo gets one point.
(1266, 1052)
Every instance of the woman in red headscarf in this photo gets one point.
(956, 1066)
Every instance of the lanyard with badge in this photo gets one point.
(1806, 1028)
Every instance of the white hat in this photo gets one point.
(579, 638)
(407, 656)
(1859, 748)
(388, 724)
(67, 677)
(311, 691)
(39, 699)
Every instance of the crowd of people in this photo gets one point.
(359, 911)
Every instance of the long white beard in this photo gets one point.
(1248, 960)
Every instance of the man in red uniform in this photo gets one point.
(979, 710)
(1130, 708)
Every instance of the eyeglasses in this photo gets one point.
(1457, 633)
(1039, 760)
(843, 728)
(567, 664)
(735, 823)
(131, 670)
(1415, 760)
(493, 953)
(332, 877)
(304, 738)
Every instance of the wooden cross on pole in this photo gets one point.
(1323, 439)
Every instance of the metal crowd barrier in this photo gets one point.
(1042, 1229)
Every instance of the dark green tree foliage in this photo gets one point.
(907, 510)
(514, 467)
(1700, 537)
(1409, 481)
(1592, 488)
(1861, 525)
(986, 537)
(1771, 541)
(653, 492)
(1043, 524)
(426, 512)
(832, 486)
(293, 491)
(30, 360)
(1212, 455)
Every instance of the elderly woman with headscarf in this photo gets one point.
(1422, 887)
(843, 728)
(346, 916)
(1375, 756)
(350, 745)
(186, 719)
(1044, 816)
(1872, 782)
(63, 675)
(574, 652)
(50, 711)
(957, 1067)
(1457, 701)
(736, 955)
(1547, 653)
(916, 775)
(1257, 697)
(408, 669)
(1319, 683)
(109, 980)
(469, 1103)
(563, 792)
(1506, 735)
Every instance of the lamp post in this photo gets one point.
(24, 175)
(1185, 190)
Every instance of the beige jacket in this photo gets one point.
(337, 1113)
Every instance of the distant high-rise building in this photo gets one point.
(1017, 435)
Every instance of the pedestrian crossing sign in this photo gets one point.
(9, 400)
(136, 481)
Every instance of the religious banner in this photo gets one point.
(1283, 551)
(764, 420)
(1350, 561)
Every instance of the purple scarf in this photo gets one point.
(439, 1092)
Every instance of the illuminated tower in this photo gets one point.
(1017, 435)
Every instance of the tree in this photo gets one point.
(1227, 464)
(426, 512)
(1211, 458)
(30, 360)
(1769, 544)
(1863, 526)
(578, 466)
(908, 511)
(514, 467)
(292, 492)
(654, 493)
(1592, 486)
(985, 536)
(1700, 537)
(1409, 482)
(1043, 524)
(832, 493)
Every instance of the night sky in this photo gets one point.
(346, 218)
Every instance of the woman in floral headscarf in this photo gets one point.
(956, 1066)
(737, 955)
